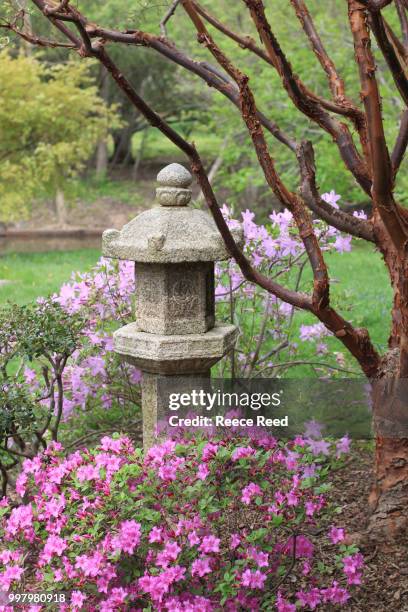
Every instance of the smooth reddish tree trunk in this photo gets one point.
(389, 496)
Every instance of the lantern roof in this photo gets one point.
(172, 231)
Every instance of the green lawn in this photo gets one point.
(39, 274)
(360, 291)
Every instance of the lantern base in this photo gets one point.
(177, 354)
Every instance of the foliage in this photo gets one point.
(240, 173)
(51, 118)
(46, 336)
(267, 324)
(181, 98)
(194, 525)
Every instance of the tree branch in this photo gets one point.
(341, 220)
(390, 53)
(383, 200)
(61, 6)
(400, 144)
(60, 26)
(356, 340)
(309, 107)
(375, 5)
(336, 83)
(205, 71)
(36, 40)
(296, 206)
(246, 42)
(168, 16)
(403, 21)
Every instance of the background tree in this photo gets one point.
(356, 130)
(51, 118)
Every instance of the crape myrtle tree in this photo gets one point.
(357, 130)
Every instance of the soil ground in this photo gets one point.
(385, 584)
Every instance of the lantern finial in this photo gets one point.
(174, 181)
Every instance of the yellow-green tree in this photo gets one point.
(51, 118)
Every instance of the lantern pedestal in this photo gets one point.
(174, 338)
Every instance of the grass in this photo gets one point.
(91, 188)
(360, 291)
(38, 274)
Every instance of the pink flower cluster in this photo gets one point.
(104, 524)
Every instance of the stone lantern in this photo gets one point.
(175, 334)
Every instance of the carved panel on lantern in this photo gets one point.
(184, 295)
(174, 299)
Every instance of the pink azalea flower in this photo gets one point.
(241, 452)
(253, 580)
(311, 598)
(201, 567)
(156, 535)
(235, 541)
(193, 538)
(12, 573)
(284, 606)
(336, 535)
(202, 471)
(249, 491)
(210, 544)
(77, 599)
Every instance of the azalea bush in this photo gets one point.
(193, 525)
(48, 335)
(268, 344)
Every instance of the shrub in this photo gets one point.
(195, 525)
(43, 334)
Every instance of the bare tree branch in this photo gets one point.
(401, 144)
(339, 219)
(208, 73)
(168, 16)
(309, 104)
(375, 5)
(53, 10)
(396, 64)
(336, 83)
(60, 26)
(246, 42)
(403, 21)
(320, 297)
(36, 40)
(383, 200)
(226, 86)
